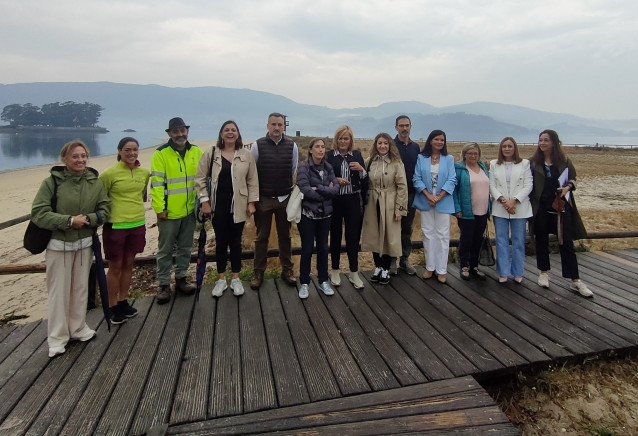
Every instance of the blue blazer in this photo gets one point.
(446, 182)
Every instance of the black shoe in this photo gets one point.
(163, 294)
(183, 287)
(117, 317)
(126, 309)
(478, 273)
(376, 275)
(384, 278)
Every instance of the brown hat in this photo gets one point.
(176, 123)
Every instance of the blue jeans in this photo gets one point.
(510, 264)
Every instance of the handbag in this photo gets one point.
(293, 208)
(36, 238)
(209, 189)
(486, 253)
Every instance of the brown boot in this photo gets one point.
(163, 294)
(288, 277)
(183, 287)
(258, 279)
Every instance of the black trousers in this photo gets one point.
(470, 240)
(346, 208)
(227, 236)
(545, 223)
(382, 261)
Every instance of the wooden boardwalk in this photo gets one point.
(400, 358)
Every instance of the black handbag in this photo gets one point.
(36, 238)
(486, 253)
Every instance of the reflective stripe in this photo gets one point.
(178, 191)
(157, 184)
(190, 179)
(157, 174)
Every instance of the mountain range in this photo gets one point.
(149, 107)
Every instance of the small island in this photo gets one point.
(52, 116)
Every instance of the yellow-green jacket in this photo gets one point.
(173, 180)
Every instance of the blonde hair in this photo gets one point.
(71, 145)
(467, 147)
(339, 133)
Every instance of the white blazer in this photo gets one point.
(521, 185)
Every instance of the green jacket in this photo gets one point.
(173, 180)
(538, 174)
(78, 194)
(126, 188)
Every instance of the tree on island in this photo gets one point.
(68, 114)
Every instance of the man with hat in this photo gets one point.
(173, 169)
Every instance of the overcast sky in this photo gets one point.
(578, 57)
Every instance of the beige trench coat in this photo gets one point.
(389, 189)
(244, 174)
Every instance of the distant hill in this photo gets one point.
(149, 107)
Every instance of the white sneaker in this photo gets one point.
(86, 334)
(303, 291)
(56, 351)
(543, 280)
(355, 279)
(237, 287)
(220, 287)
(326, 289)
(582, 288)
(335, 278)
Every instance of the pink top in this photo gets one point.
(479, 191)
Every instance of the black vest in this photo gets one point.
(274, 167)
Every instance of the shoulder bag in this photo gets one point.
(36, 238)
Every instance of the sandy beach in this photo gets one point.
(25, 294)
(604, 210)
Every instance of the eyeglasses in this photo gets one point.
(471, 154)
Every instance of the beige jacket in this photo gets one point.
(244, 176)
(389, 189)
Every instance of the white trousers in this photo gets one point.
(436, 239)
(67, 282)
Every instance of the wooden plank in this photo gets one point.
(13, 336)
(225, 393)
(154, 407)
(526, 305)
(23, 351)
(475, 342)
(41, 392)
(629, 255)
(541, 349)
(32, 361)
(6, 330)
(563, 304)
(614, 296)
(289, 381)
(423, 399)
(411, 339)
(482, 420)
(124, 399)
(320, 381)
(258, 383)
(588, 312)
(423, 319)
(377, 373)
(466, 297)
(397, 360)
(191, 395)
(95, 397)
(621, 258)
(344, 366)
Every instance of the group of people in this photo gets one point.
(373, 202)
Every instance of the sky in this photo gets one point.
(567, 56)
